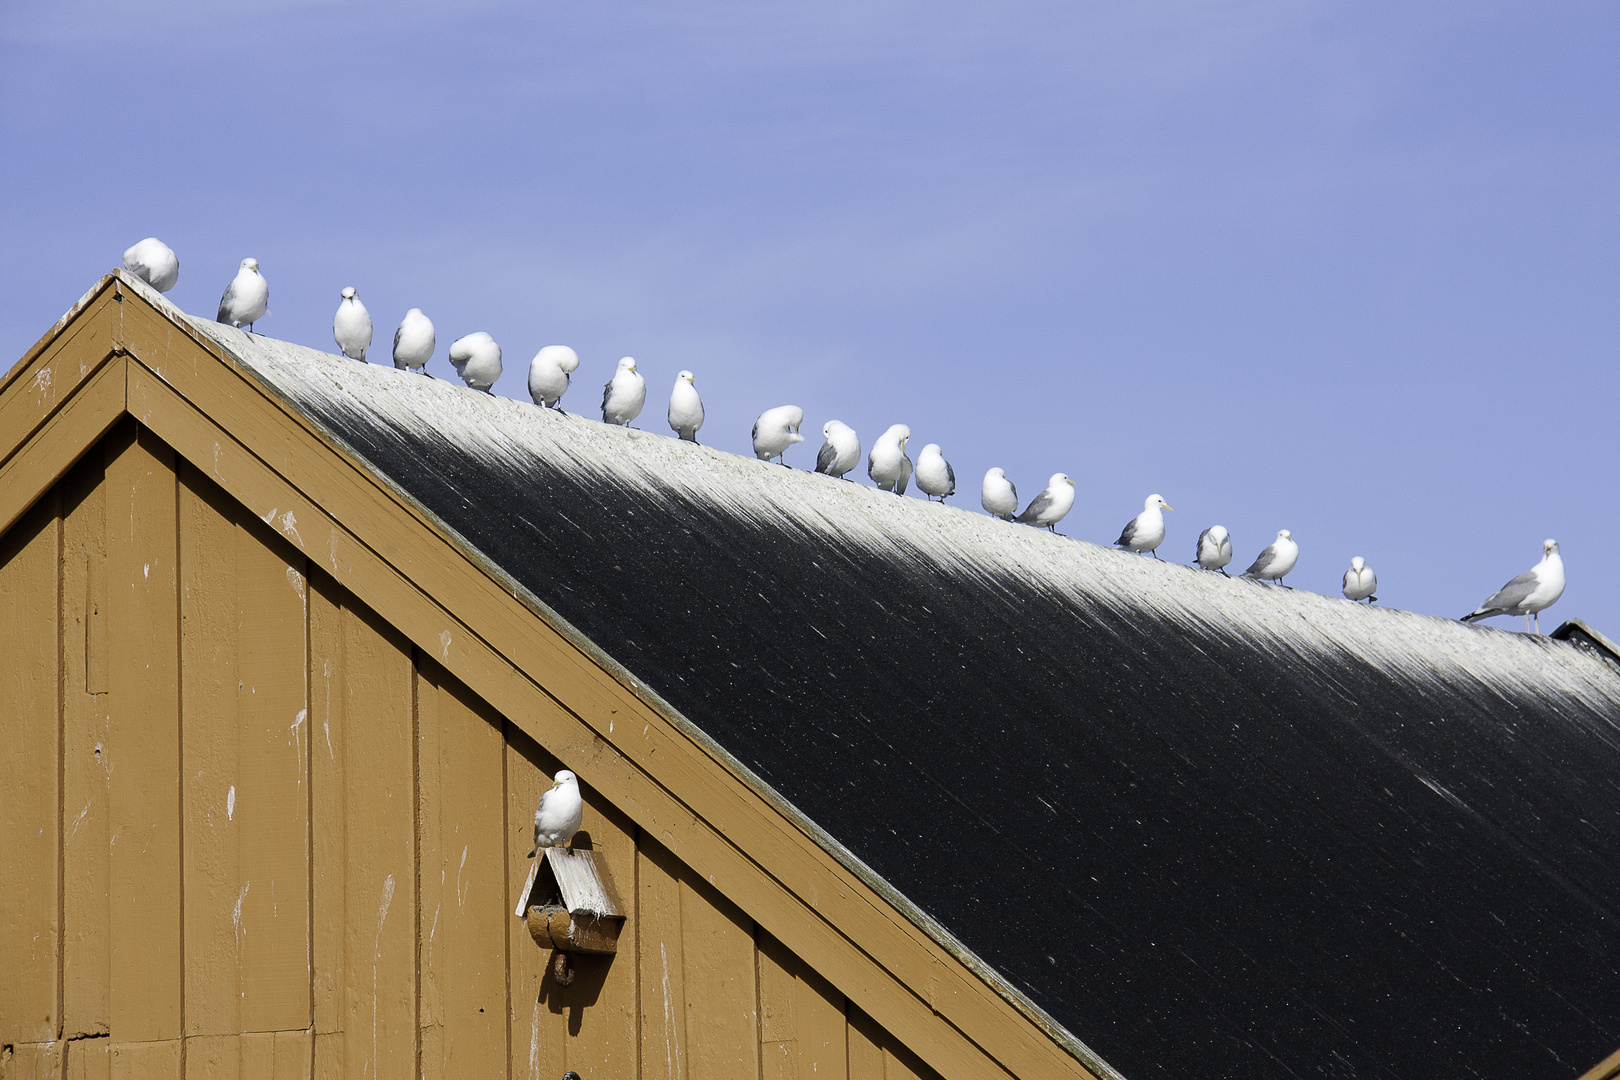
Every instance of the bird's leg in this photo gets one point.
(1155, 552)
(1224, 573)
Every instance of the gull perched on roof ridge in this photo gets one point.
(351, 326)
(549, 374)
(624, 394)
(477, 359)
(685, 407)
(246, 299)
(1360, 582)
(840, 451)
(1214, 549)
(414, 341)
(1276, 561)
(1051, 505)
(154, 262)
(997, 494)
(1145, 531)
(776, 430)
(1529, 594)
(887, 464)
(934, 474)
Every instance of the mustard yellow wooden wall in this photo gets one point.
(249, 831)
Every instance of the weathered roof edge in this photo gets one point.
(195, 325)
(1578, 632)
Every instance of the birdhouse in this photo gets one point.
(570, 904)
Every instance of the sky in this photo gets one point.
(1345, 269)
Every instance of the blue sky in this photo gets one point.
(1345, 269)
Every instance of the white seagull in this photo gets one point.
(998, 496)
(1531, 593)
(934, 474)
(548, 375)
(560, 813)
(1145, 531)
(1049, 507)
(1214, 548)
(624, 394)
(154, 262)
(1360, 582)
(247, 297)
(1274, 563)
(351, 326)
(685, 407)
(841, 450)
(477, 359)
(414, 341)
(887, 464)
(776, 430)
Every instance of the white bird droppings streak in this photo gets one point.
(230, 804)
(376, 956)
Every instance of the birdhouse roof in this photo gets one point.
(1209, 827)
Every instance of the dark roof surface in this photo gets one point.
(1213, 828)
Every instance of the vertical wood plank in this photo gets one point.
(778, 1012)
(294, 1055)
(537, 1036)
(144, 751)
(211, 1056)
(88, 1059)
(464, 928)
(866, 1058)
(901, 1064)
(380, 943)
(328, 854)
(722, 1023)
(30, 727)
(85, 917)
(210, 645)
(146, 1060)
(802, 1024)
(32, 1061)
(660, 948)
(272, 804)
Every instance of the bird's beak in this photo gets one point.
(1070, 483)
(1167, 506)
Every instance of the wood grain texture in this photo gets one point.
(30, 726)
(328, 802)
(802, 1028)
(144, 748)
(85, 775)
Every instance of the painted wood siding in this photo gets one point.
(250, 831)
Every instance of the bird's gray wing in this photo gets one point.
(1198, 552)
(1036, 508)
(905, 476)
(754, 434)
(950, 475)
(226, 301)
(607, 392)
(1263, 562)
(1127, 534)
(1014, 491)
(1512, 594)
(826, 458)
(397, 333)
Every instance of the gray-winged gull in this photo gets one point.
(1360, 582)
(154, 262)
(549, 373)
(1051, 505)
(477, 359)
(1274, 563)
(997, 494)
(685, 407)
(414, 341)
(1531, 593)
(351, 326)
(624, 394)
(560, 813)
(1145, 531)
(1214, 549)
(840, 449)
(935, 476)
(887, 464)
(247, 297)
(776, 430)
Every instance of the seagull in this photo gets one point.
(477, 359)
(414, 341)
(1214, 548)
(548, 375)
(840, 452)
(1276, 561)
(624, 394)
(351, 326)
(1145, 532)
(154, 262)
(934, 474)
(1360, 582)
(887, 464)
(1049, 507)
(776, 430)
(559, 814)
(1531, 593)
(998, 496)
(247, 297)
(685, 407)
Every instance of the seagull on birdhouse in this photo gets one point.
(559, 814)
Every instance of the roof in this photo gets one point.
(1210, 827)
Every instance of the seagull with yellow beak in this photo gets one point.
(1145, 532)
(559, 814)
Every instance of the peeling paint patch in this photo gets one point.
(444, 644)
(230, 804)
